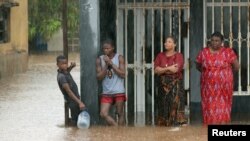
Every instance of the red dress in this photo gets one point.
(216, 84)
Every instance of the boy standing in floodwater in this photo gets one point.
(69, 88)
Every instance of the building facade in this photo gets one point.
(13, 37)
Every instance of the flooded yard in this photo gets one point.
(32, 108)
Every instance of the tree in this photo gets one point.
(45, 18)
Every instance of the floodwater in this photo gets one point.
(32, 109)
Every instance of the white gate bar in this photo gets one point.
(135, 68)
(152, 66)
(140, 91)
(131, 66)
(119, 28)
(154, 5)
(243, 93)
(120, 45)
(188, 56)
(186, 70)
(239, 49)
(161, 30)
(170, 21)
(143, 39)
(205, 23)
(179, 29)
(230, 24)
(226, 4)
(222, 15)
(126, 55)
(213, 21)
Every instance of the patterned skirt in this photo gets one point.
(171, 102)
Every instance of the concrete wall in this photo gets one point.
(14, 54)
(89, 46)
(196, 44)
(56, 42)
(13, 63)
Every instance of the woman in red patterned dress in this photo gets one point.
(171, 101)
(216, 63)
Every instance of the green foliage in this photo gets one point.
(73, 17)
(45, 17)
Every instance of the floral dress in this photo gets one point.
(216, 84)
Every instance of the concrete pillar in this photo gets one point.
(89, 47)
(196, 44)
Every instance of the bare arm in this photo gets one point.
(198, 66)
(172, 69)
(160, 70)
(235, 65)
(178, 66)
(101, 72)
(72, 65)
(72, 96)
(166, 70)
(119, 70)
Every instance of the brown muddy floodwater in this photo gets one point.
(31, 106)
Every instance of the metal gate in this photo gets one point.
(231, 18)
(141, 28)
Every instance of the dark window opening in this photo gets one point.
(4, 24)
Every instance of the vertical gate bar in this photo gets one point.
(140, 89)
(204, 23)
(239, 48)
(213, 18)
(222, 15)
(248, 47)
(170, 19)
(231, 32)
(230, 24)
(117, 25)
(231, 29)
(161, 28)
(135, 67)
(120, 24)
(143, 60)
(152, 72)
(119, 28)
(188, 56)
(179, 29)
(126, 56)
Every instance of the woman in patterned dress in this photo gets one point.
(171, 101)
(216, 64)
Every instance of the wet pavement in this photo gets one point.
(32, 109)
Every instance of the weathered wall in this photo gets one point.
(13, 63)
(196, 44)
(14, 54)
(56, 42)
(19, 26)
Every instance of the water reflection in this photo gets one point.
(32, 109)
